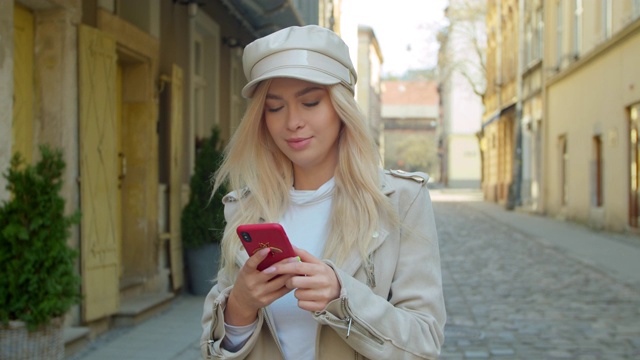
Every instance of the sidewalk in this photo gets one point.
(171, 335)
(614, 254)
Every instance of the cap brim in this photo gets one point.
(300, 73)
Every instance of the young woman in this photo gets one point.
(367, 283)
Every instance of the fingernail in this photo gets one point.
(298, 257)
(269, 270)
(294, 259)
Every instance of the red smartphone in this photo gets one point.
(255, 237)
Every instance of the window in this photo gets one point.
(199, 86)
(596, 172)
(528, 56)
(606, 18)
(204, 60)
(237, 82)
(577, 28)
(559, 33)
(537, 43)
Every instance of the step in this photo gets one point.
(139, 308)
(75, 338)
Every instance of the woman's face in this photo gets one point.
(303, 123)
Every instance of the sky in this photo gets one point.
(405, 29)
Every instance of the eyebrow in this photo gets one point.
(297, 94)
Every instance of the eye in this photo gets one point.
(311, 104)
(273, 109)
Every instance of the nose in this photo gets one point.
(294, 119)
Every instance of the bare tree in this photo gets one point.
(463, 43)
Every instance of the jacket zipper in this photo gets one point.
(355, 324)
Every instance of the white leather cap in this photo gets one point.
(310, 53)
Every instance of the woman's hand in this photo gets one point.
(254, 290)
(315, 282)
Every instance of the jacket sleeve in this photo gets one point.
(213, 330)
(410, 323)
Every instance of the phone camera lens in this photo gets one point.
(245, 236)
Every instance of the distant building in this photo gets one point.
(410, 113)
(368, 86)
(461, 85)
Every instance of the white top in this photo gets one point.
(306, 223)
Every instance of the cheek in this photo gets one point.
(270, 125)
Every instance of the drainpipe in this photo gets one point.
(515, 189)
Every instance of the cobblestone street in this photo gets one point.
(510, 296)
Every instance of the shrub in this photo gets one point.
(202, 220)
(39, 281)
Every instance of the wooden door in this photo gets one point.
(23, 82)
(99, 172)
(175, 178)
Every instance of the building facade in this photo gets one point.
(531, 104)
(127, 89)
(561, 137)
(592, 99)
(499, 125)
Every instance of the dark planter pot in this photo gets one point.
(202, 268)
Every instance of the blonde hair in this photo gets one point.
(255, 167)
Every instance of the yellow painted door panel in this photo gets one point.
(23, 82)
(175, 184)
(99, 170)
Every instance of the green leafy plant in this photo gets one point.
(202, 220)
(38, 281)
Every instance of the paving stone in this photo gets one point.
(529, 300)
(502, 352)
(476, 354)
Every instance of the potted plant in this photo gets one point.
(202, 220)
(39, 282)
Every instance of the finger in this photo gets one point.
(320, 294)
(305, 256)
(274, 268)
(257, 258)
(306, 282)
(311, 305)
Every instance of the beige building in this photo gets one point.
(532, 104)
(127, 89)
(564, 124)
(592, 102)
(499, 124)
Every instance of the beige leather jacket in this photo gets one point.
(391, 308)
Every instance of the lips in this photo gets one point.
(298, 143)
